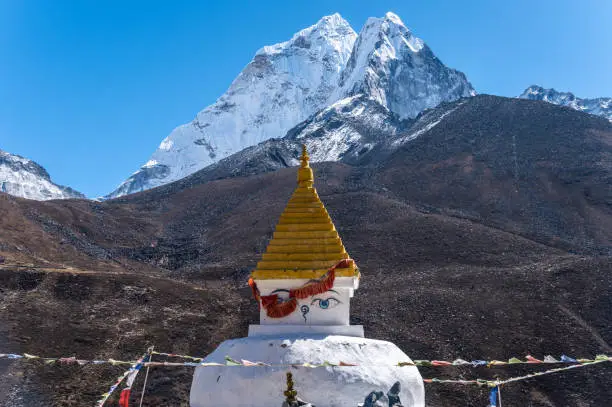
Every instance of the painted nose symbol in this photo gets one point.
(305, 310)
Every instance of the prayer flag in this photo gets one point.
(531, 359)
(493, 397)
(124, 398)
(440, 363)
(231, 362)
(550, 359)
(567, 359)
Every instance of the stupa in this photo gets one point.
(304, 284)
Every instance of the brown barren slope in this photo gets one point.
(463, 270)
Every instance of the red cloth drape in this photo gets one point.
(278, 309)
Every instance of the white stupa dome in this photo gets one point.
(331, 386)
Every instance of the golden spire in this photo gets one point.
(305, 177)
(305, 243)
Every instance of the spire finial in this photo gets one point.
(305, 157)
(305, 177)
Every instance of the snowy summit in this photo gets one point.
(288, 82)
(399, 70)
(283, 85)
(26, 179)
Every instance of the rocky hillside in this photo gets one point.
(22, 177)
(509, 163)
(485, 222)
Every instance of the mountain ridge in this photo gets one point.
(281, 86)
(601, 106)
(288, 82)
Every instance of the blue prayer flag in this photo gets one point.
(493, 397)
(567, 359)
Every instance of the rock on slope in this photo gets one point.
(286, 83)
(24, 178)
(597, 106)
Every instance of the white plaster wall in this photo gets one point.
(337, 313)
(311, 311)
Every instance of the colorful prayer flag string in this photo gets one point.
(496, 383)
(495, 396)
(124, 398)
(174, 355)
(598, 359)
(131, 372)
(198, 361)
(64, 360)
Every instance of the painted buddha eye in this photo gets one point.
(326, 303)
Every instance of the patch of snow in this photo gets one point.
(424, 127)
(347, 125)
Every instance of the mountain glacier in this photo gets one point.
(325, 66)
(597, 106)
(26, 179)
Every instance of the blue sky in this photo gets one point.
(89, 89)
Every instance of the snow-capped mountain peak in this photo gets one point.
(329, 30)
(283, 85)
(597, 106)
(393, 32)
(286, 83)
(22, 177)
(395, 67)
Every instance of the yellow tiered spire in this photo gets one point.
(305, 243)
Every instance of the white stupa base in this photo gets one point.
(342, 386)
(305, 330)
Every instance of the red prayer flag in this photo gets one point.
(124, 398)
(531, 359)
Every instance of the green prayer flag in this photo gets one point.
(231, 362)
